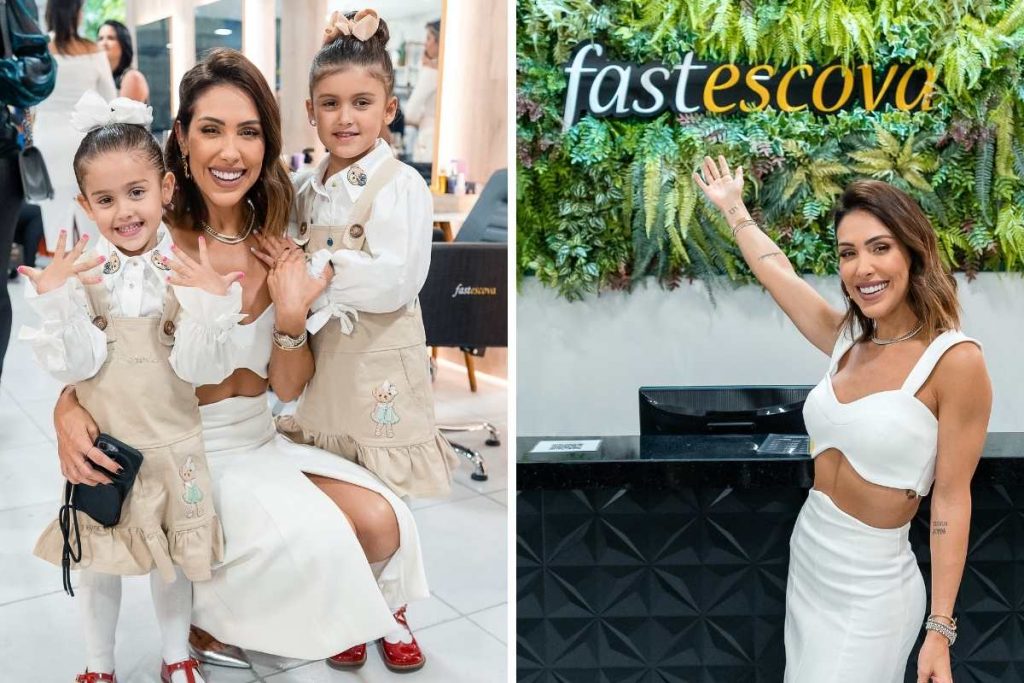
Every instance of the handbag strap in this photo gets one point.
(67, 516)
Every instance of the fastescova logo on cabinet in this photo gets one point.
(467, 290)
(609, 89)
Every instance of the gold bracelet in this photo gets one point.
(747, 222)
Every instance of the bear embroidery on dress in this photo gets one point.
(384, 415)
(193, 494)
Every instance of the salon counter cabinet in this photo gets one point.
(665, 559)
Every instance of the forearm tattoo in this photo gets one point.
(733, 209)
(938, 528)
(762, 257)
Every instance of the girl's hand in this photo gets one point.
(270, 248)
(76, 434)
(188, 273)
(933, 660)
(292, 289)
(721, 187)
(62, 266)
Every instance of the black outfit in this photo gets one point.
(29, 233)
(11, 197)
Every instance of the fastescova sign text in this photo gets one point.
(605, 88)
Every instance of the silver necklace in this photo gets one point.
(236, 239)
(896, 340)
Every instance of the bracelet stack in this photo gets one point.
(946, 630)
(287, 342)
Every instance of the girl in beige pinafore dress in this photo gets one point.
(133, 346)
(370, 398)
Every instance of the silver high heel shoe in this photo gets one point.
(228, 656)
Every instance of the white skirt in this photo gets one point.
(295, 581)
(855, 599)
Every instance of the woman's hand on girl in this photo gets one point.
(186, 272)
(721, 187)
(63, 266)
(292, 289)
(76, 436)
(270, 248)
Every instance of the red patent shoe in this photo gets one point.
(187, 665)
(95, 677)
(352, 658)
(402, 657)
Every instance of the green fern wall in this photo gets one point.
(611, 201)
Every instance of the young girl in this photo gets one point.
(110, 331)
(368, 215)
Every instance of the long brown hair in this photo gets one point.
(932, 290)
(272, 194)
(62, 19)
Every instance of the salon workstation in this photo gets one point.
(669, 550)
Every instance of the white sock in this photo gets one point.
(100, 595)
(399, 635)
(173, 605)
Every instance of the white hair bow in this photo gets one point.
(92, 112)
(363, 25)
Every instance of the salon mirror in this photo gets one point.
(153, 50)
(218, 24)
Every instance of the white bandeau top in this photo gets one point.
(890, 438)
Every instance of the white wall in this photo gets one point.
(580, 364)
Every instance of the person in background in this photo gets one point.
(419, 110)
(28, 232)
(10, 200)
(114, 38)
(81, 66)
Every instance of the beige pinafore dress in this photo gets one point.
(370, 398)
(168, 518)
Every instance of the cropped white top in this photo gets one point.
(890, 438)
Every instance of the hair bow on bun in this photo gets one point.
(363, 25)
(92, 112)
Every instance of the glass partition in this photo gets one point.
(153, 45)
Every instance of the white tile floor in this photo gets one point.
(462, 628)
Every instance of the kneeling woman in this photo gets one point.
(318, 552)
(904, 405)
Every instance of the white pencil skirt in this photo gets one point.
(294, 581)
(855, 598)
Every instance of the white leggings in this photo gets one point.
(100, 595)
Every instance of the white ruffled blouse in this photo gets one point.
(398, 233)
(71, 348)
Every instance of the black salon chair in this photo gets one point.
(465, 298)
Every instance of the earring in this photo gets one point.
(312, 122)
(184, 164)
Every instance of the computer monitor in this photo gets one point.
(722, 410)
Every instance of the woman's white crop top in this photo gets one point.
(889, 437)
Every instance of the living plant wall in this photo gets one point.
(610, 201)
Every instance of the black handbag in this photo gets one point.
(35, 179)
(102, 502)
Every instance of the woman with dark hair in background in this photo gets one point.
(114, 38)
(81, 66)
